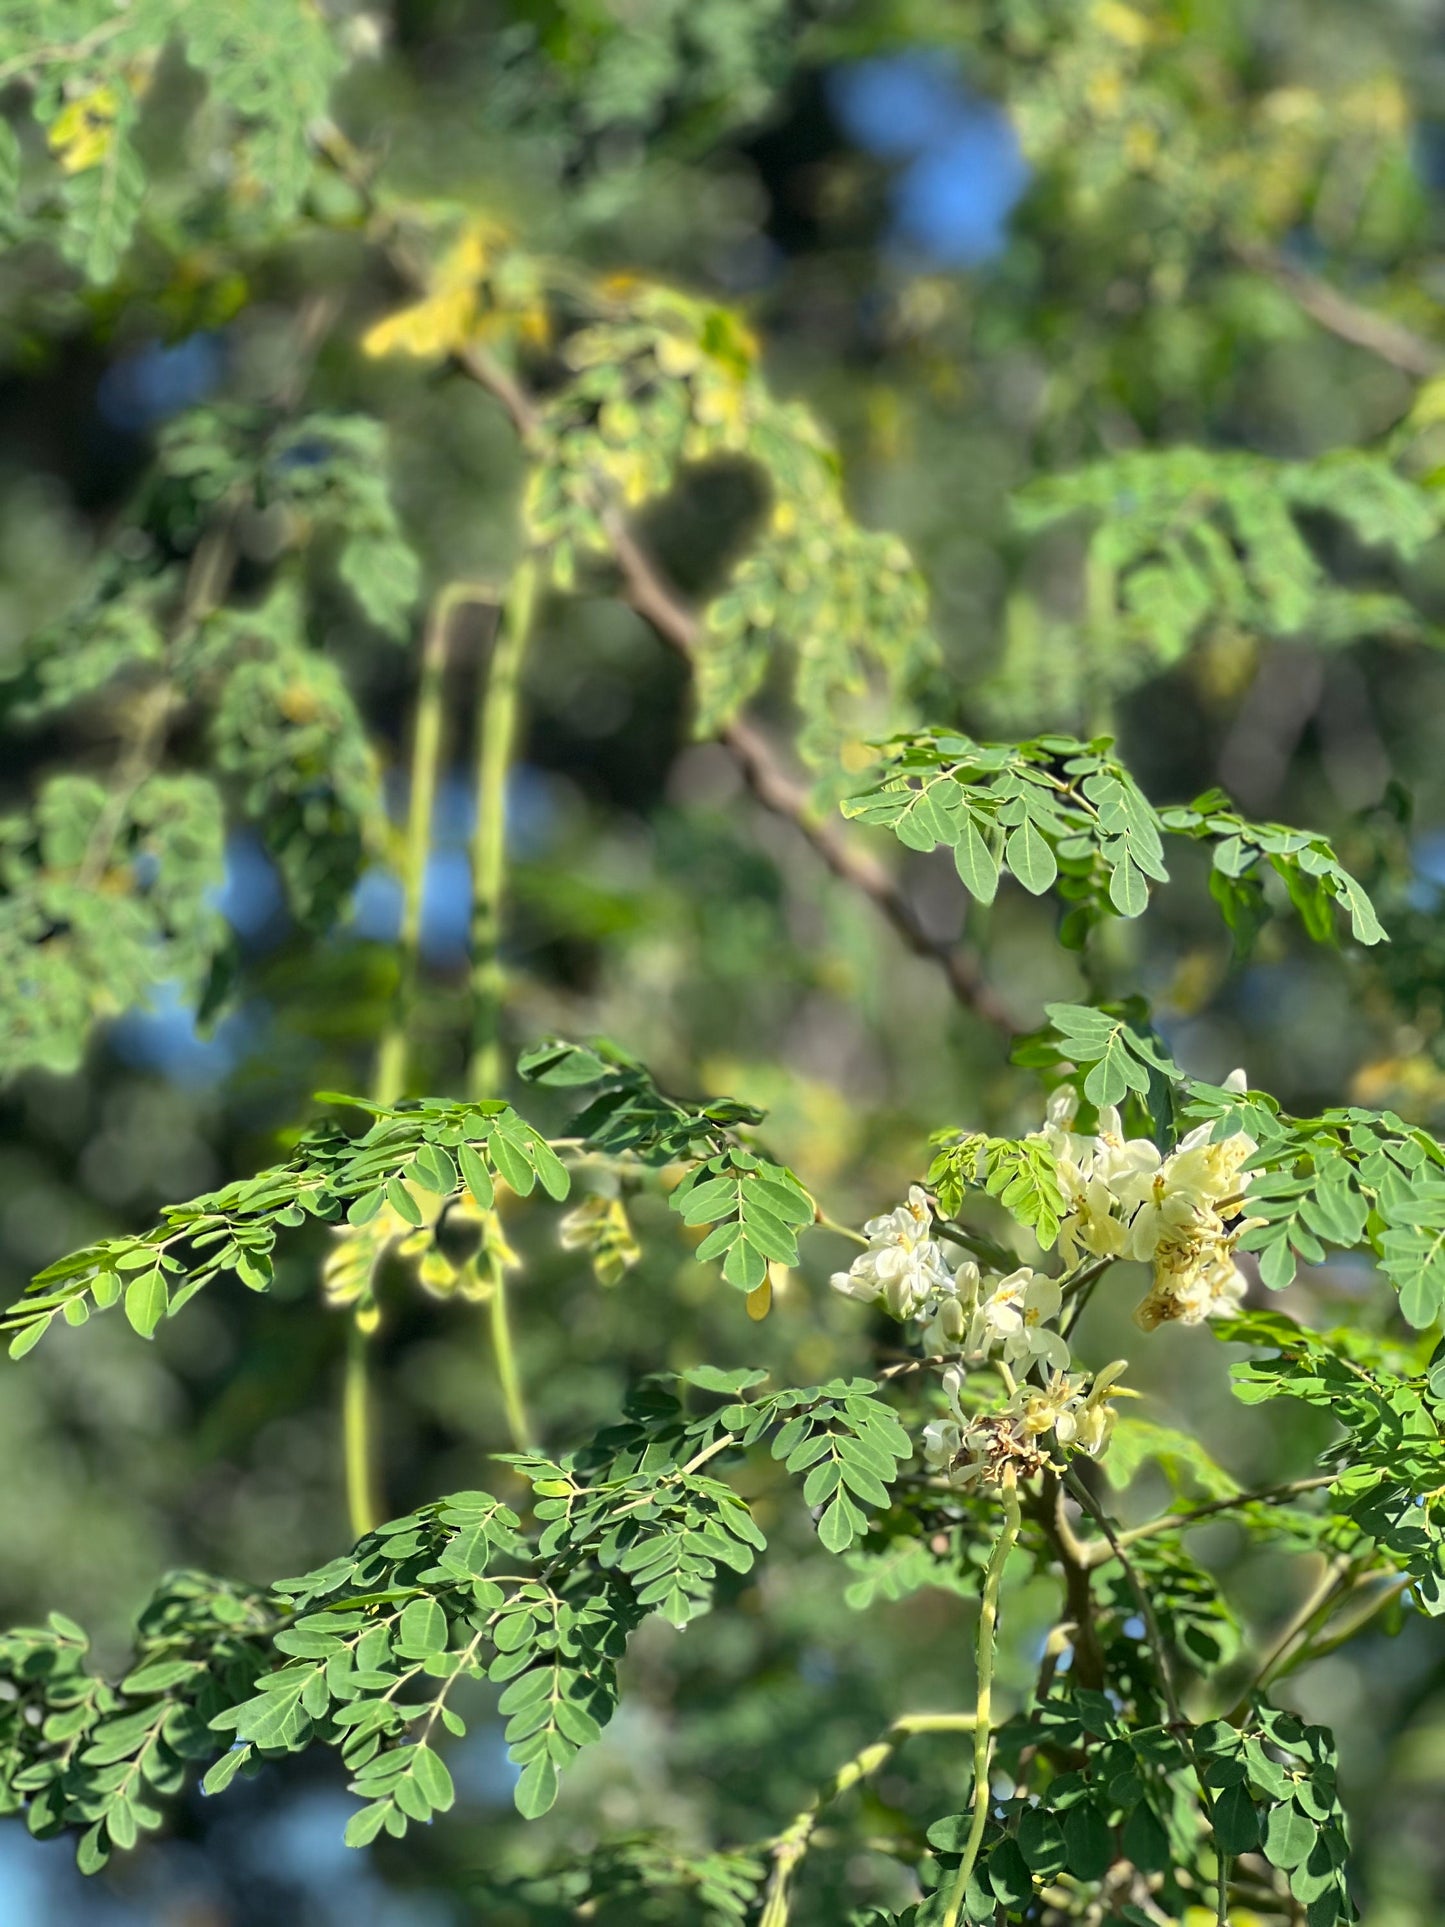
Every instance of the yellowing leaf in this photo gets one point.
(449, 315)
(1121, 23)
(760, 1302)
(1429, 405)
(437, 326)
(83, 132)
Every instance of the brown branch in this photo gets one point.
(1162, 1657)
(1349, 320)
(1073, 1557)
(647, 591)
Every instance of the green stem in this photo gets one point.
(389, 1080)
(361, 1505)
(983, 1729)
(496, 743)
(789, 1847)
(825, 1223)
(1315, 1610)
(425, 770)
(510, 1379)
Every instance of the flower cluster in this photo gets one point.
(1009, 1444)
(961, 1310)
(1180, 1213)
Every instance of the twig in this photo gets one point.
(24, 64)
(1316, 1607)
(1100, 1551)
(777, 791)
(1349, 320)
(653, 599)
(1167, 1681)
(1336, 1629)
(363, 1507)
(498, 717)
(428, 733)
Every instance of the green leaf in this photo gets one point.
(1145, 1841)
(433, 1779)
(1184, 1461)
(840, 1525)
(1041, 1842)
(536, 1790)
(478, 1178)
(1236, 1824)
(976, 863)
(365, 1824)
(29, 1336)
(146, 1299)
(220, 1776)
(423, 1629)
(1289, 1835)
(93, 1852)
(1008, 1874)
(1031, 859)
(1088, 1841)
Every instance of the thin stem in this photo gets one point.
(1351, 321)
(496, 741)
(1105, 1524)
(982, 1732)
(825, 1223)
(1074, 1559)
(361, 1503)
(26, 63)
(789, 1847)
(514, 1403)
(1316, 1644)
(424, 772)
(1314, 1610)
(700, 1459)
(1080, 1289)
(1100, 1551)
(389, 1079)
(648, 592)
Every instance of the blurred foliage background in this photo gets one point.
(1010, 252)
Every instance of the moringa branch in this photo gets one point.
(652, 597)
(1390, 341)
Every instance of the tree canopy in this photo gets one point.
(724, 1071)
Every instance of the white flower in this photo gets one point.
(1094, 1227)
(1187, 1188)
(1126, 1164)
(1013, 1314)
(1195, 1276)
(904, 1266)
(1088, 1423)
(942, 1438)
